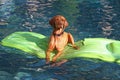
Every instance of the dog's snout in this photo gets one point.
(60, 23)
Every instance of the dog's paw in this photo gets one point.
(76, 47)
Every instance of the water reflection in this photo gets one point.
(96, 16)
(86, 18)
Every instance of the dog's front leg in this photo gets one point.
(51, 46)
(55, 57)
(71, 40)
(48, 56)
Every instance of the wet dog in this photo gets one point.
(59, 38)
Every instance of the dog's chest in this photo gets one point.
(61, 40)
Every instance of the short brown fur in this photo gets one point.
(58, 39)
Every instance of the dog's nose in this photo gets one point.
(60, 23)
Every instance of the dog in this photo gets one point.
(59, 38)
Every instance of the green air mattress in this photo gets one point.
(36, 44)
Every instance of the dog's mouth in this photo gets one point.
(59, 29)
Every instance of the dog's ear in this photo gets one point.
(65, 23)
(52, 22)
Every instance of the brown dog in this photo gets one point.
(59, 39)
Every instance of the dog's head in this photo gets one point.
(58, 22)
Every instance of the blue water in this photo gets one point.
(87, 18)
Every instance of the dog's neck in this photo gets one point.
(58, 32)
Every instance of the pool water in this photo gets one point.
(87, 18)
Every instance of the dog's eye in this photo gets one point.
(63, 20)
(57, 19)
